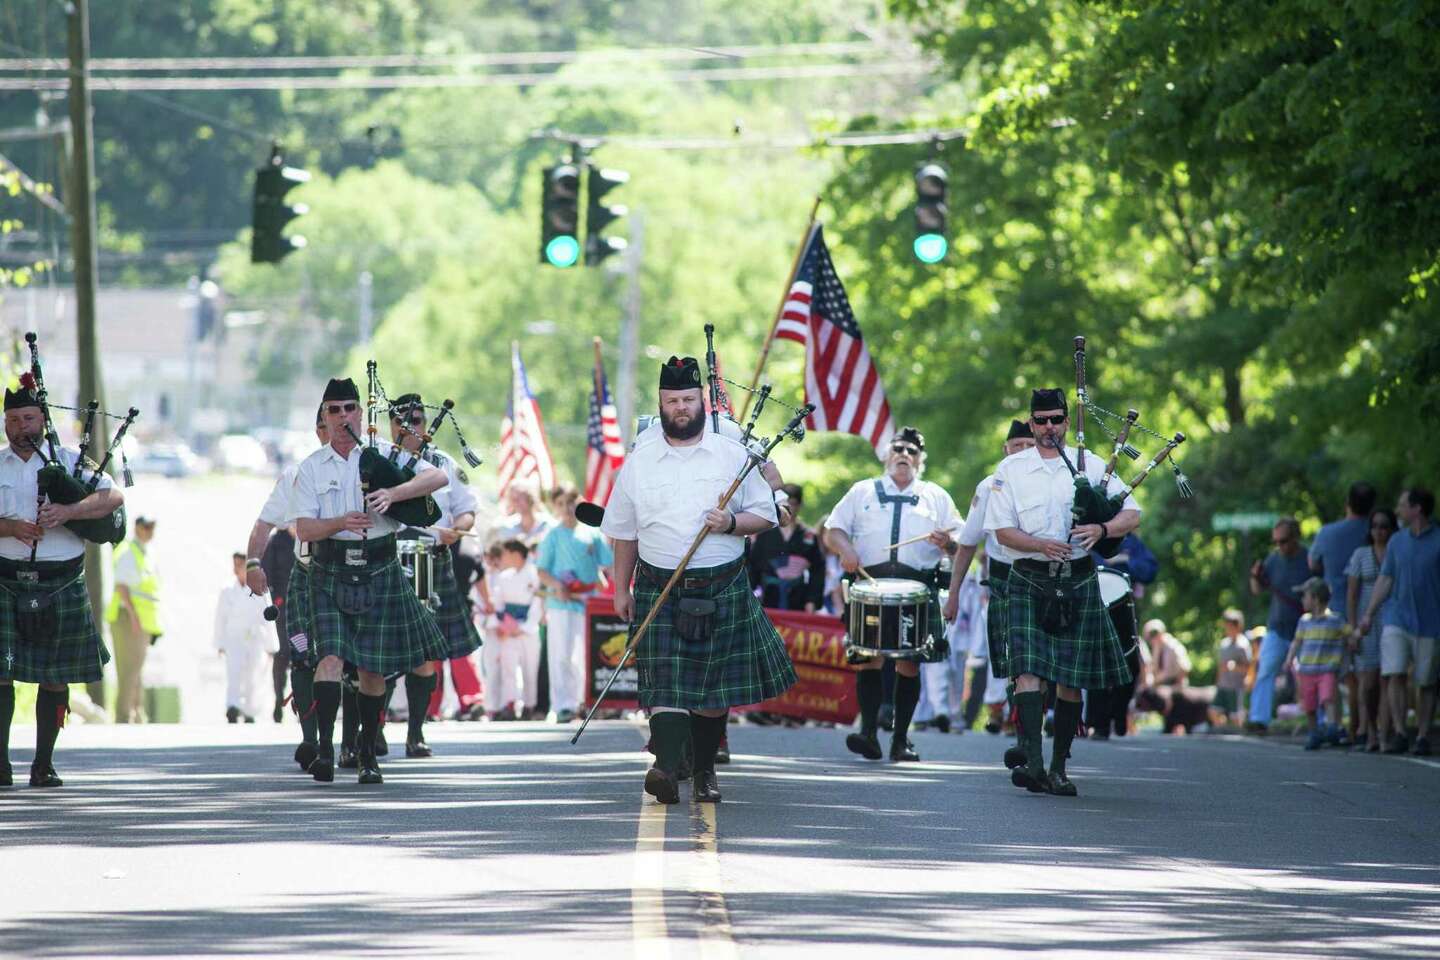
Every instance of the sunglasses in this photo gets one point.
(905, 448)
(1054, 421)
(338, 408)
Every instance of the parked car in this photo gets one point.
(242, 453)
(168, 460)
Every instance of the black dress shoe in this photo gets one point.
(867, 746)
(662, 785)
(1036, 781)
(1014, 757)
(278, 714)
(7, 775)
(417, 749)
(1098, 734)
(901, 751)
(323, 769)
(349, 759)
(45, 778)
(381, 747)
(1061, 786)
(305, 754)
(706, 789)
(722, 752)
(941, 723)
(232, 715)
(369, 770)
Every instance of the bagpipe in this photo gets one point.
(379, 471)
(1095, 505)
(68, 487)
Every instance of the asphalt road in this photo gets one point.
(203, 841)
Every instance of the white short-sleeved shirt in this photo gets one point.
(276, 505)
(974, 529)
(327, 486)
(455, 497)
(1034, 495)
(18, 502)
(871, 525)
(662, 492)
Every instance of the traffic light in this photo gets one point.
(560, 216)
(272, 181)
(931, 213)
(598, 216)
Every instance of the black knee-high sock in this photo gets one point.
(1031, 707)
(417, 696)
(302, 680)
(50, 709)
(370, 707)
(869, 691)
(1067, 719)
(349, 717)
(669, 732)
(389, 695)
(7, 713)
(705, 734)
(907, 697)
(327, 704)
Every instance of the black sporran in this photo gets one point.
(36, 619)
(695, 619)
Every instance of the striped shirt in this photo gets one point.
(1322, 643)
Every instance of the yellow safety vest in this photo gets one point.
(145, 597)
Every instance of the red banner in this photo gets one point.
(824, 688)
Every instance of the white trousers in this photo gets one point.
(510, 667)
(243, 665)
(565, 640)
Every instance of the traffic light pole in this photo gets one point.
(81, 204)
(630, 328)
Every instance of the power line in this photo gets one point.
(452, 60)
(401, 81)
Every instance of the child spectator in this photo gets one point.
(243, 638)
(1234, 661)
(512, 628)
(1169, 662)
(1316, 653)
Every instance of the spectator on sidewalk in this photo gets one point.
(244, 639)
(1233, 663)
(1329, 555)
(1362, 571)
(1316, 654)
(1285, 569)
(510, 657)
(574, 563)
(134, 616)
(786, 562)
(1411, 572)
(1169, 660)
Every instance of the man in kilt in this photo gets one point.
(873, 515)
(457, 516)
(361, 610)
(47, 630)
(1058, 630)
(710, 646)
(997, 558)
(274, 562)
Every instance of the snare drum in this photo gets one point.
(1119, 601)
(890, 618)
(417, 559)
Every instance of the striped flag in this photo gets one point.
(524, 454)
(840, 378)
(605, 451)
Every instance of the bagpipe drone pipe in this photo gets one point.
(69, 487)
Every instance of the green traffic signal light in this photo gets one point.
(562, 251)
(931, 247)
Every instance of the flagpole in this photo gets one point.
(779, 311)
(598, 372)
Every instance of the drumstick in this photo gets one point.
(918, 538)
(864, 573)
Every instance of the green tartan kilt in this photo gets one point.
(997, 623)
(453, 616)
(297, 615)
(1083, 652)
(394, 635)
(77, 654)
(743, 661)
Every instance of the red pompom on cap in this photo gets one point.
(27, 381)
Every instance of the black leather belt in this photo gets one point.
(41, 570)
(355, 553)
(1056, 568)
(705, 577)
(999, 570)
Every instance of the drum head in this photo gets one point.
(1114, 586)
(889, 591)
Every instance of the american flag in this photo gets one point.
(524, 454)
(840, 378)
(605, 451)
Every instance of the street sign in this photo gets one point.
(1253, 520)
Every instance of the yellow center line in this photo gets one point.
(716, 939)
(647, 888)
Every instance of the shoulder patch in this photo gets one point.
(998, 484)
(975, 501)
(464, 477)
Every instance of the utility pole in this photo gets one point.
(630, 328)
(81, 204)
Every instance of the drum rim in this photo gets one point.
(858, 589)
